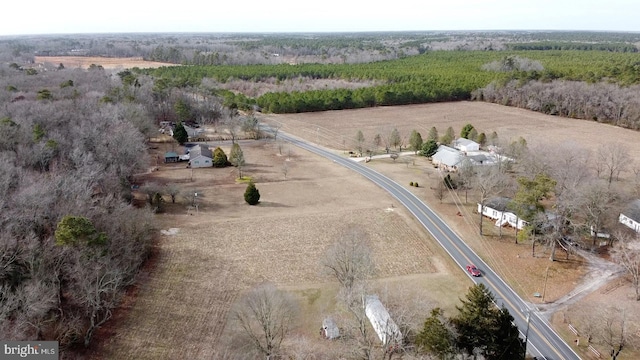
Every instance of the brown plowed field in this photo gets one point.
(83, 62)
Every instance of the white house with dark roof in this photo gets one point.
(630, 217)
(497, 209)
(200, 156)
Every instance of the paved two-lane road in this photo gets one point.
(543, 342)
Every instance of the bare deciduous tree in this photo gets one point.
(265, 316)
(612, 159)
(489, 181)
(349, 259)
(627, 253)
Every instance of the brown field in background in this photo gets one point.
(83, 62)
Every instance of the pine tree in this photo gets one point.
(252, 195)
(466, 130)
(483, 327)
(180, 134)
(435, 338)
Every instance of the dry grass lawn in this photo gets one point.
(227, 247)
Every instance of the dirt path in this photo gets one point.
(600, 272)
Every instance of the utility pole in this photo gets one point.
(544, 289)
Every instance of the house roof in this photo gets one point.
(200, 150)
(448, 156)
(465, 142)
(498, 203)
(170, 154)
(633, 210)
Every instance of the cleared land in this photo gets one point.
(83, 62)
(228, 246)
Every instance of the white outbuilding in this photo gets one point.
(387, 330)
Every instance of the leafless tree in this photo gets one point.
(596, 202)
(265, 316)
(627, 253)
(616, 330)
(489, 181)
(439, 189)
(285, 169)
(173, 190)
(349, 260)
(612, 159)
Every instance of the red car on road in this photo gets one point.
(473, 270)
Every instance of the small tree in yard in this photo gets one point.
(252, 195)
(416, 141)
(236, 157)
(429, 148)
(219, 158)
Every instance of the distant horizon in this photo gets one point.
(331, 16)
(322, 32)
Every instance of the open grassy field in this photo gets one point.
(227, 247)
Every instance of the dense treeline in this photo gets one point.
(603, 102)
(551, 45)
(433, 76)
(71, 241)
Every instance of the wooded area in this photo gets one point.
(71, 240)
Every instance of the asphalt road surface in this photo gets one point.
(543, 342)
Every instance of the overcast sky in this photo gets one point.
(74, 16)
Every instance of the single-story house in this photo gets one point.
(171, 157)
(497, 209)
(630, 217)
(193, 133)
(200, 156)
(330, 329)
(387, 330)
(447, 158)
(466, 145)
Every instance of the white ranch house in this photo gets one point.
(200, 156)
(384, 326)
(630, 217)
(447, 158)
(496, 209)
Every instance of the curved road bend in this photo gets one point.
(543, 341)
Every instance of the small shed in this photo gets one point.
(171, 157)
(330, 329)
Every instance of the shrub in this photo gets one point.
(219, 158)
(415, 184)
(411, 183)
(252, 195)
